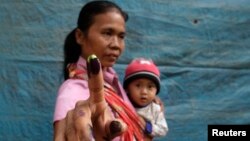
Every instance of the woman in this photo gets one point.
(81, 113)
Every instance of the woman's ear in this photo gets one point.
(79, 36)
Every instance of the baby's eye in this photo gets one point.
(138, 85)
(151, 86)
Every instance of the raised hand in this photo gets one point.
(92, 119)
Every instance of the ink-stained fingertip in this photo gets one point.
(93, 64)
(92, 56)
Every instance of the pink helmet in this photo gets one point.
(142, 68)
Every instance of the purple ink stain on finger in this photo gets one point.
(81, 113)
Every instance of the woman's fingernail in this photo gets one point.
(93, 64)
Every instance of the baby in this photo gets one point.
(142, 84)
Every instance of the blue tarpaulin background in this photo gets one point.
(201, 47)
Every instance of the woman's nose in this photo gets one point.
(115, 42)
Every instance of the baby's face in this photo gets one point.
(142, 91)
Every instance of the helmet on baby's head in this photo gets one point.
(142, 68)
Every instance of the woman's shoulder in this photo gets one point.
(71, 91)
(74, 83)
(73, 87)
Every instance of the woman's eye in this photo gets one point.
(122, 36)
(107, 33)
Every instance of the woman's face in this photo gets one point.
(105, 38)
(142, 91)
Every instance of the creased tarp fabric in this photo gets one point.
(201, 47)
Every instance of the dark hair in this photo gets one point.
(72, 50)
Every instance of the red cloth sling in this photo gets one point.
(125, 113)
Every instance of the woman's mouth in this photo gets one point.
(112, 57)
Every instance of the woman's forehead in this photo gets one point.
(109, 19)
